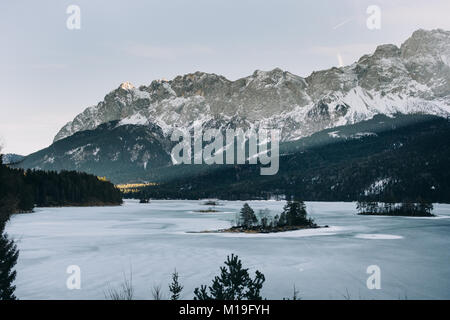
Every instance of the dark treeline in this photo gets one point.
(21, 190)
(421, 209)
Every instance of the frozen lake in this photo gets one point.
(151, 240)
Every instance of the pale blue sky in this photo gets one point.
(48, 73)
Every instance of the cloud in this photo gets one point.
(167, 53)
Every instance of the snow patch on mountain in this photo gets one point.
(377, 186)
(360, 135)
(135, 119)
(334, 134)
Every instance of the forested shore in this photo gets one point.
(22, 190)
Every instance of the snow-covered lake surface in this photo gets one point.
(151, 240)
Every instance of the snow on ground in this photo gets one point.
(151, 240)
(377, 236)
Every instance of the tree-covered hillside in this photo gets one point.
(405, 158)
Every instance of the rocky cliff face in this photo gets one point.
(410, 79)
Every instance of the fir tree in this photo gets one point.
(248, 217)
(175, 288)
(8, 258)
(295, 213)
(234, 283)
(282, 221)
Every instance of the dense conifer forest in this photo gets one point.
(21, 190)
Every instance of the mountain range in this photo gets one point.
(126, 136)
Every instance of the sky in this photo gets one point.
(50, 73)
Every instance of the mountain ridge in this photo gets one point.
(412, 78)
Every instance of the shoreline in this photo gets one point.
(90, 205)
(259, 231)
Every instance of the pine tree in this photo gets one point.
(234, 283)
(175, 288)
(248, 217)
(282, 221)
(294, 214)
(8, 249)
(8, 259)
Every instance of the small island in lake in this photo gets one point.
(293, 217)
(207, 210)
(409, 209)
(211, 203)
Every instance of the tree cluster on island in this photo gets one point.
(211, 206)
(211, 203)
(209, 210)
(293, 217)
(420, 209)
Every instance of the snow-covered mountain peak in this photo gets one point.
(412, 78)
(126, 86)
